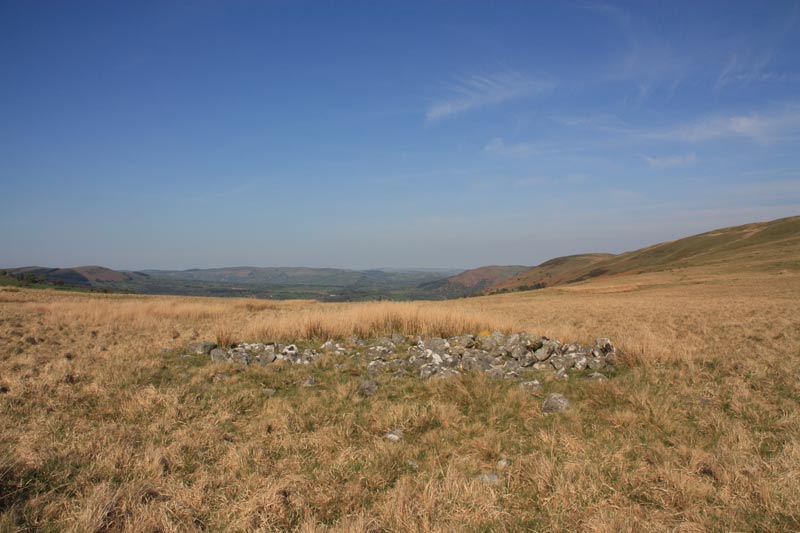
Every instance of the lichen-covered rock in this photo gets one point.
(555, 403)
(200, 348)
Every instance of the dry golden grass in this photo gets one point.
(101, 430)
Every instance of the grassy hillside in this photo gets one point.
(553, 272)
(472, 282)
(762, 246)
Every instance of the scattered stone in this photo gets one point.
(554, 403)
(310, 382)
(489, 479)
(200, 348)
(367, 388)
(503, 464)
(396, 435)
(597, 376)
(219, 376)
(412, 465)
(530, 386)
(269, 392)
(498, 355)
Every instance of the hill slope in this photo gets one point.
(471, 282)
(82, 276)
(759, 246)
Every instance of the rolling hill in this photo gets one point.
(472, 282)
(758, 246)
(82, 276)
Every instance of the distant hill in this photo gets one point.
(472, 282)
(82, 276)
(761, 245)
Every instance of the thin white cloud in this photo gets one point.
(779, 125)
(670, 161)
(476, 91)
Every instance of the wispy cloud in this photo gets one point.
(670, 161)
(476, 91)
(753, 64)
(773, 126)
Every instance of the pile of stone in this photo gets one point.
(498, 354)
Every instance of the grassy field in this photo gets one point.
(105, 427)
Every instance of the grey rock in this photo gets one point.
(555, 403)
(396, 435)
(267, 358)
(435, 344)
(465, 341)
(289, 350)
(604, 345)
(596, 363)
(532, 385)
(310, 382)
(269, 392)
(543, 353)
(219, 355)
(367, 388)
(597, 376)
(503, 464)
(201, 348)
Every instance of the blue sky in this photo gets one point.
(436, 134)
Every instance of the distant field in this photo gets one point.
(106, 428)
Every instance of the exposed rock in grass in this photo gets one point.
(200, 348)
(396, 435)
(530, 386)
(555, 403)
(597, 376)
(367, 388)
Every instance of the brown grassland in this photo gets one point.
(104, 427)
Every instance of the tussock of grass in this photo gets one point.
(699, 431)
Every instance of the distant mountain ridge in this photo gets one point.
(762, 245)
(82, 276)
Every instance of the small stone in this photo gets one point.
(201, 348)
(503, 464)
(367, 388)
(489, 479)
(220, 376)
(310, 382)
(396, 435)
(597, 376)
(412, 465)
(268, 392)
(555, 403)
(289, 350)
(531, 386)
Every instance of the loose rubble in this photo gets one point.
(497, 354)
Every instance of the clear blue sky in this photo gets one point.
(456, 134)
